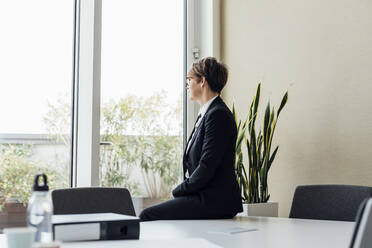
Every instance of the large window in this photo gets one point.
(127, 61)
(142, 95)
(35, 93)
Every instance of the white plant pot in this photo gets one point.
(268, 209)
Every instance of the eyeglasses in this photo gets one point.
(188, 81)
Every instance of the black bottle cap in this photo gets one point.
(42, 187)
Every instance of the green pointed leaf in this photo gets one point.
(266, 124)
(272, 133)
(249, 157)
(270, 130)
(259, 148)
(257, 98)
(250, 111)
(244, 125)
(272, 157)
(282, 104)
(239, 141)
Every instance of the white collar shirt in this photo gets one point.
(203, 110)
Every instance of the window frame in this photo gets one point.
(86, 102)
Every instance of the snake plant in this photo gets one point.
(241, 174)
(253, 185)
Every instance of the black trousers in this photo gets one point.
(181, 208)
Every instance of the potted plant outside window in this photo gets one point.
(17, 174)
(253, 180)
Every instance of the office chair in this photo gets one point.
(92, 200)
(328, 202)
(362, 235)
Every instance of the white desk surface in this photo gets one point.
(271, 232)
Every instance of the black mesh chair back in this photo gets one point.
(328, 202)
(92, 200)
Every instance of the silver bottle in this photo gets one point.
(40, 210)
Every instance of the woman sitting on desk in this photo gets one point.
(209, 189)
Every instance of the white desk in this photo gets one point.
(272, 232)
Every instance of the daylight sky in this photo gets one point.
(141, 53)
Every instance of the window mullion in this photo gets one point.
(203, 38)
(88, 73)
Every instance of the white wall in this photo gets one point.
(321, 51)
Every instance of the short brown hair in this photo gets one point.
(214, 72)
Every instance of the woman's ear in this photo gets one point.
(202, 82)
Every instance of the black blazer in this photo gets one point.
(210, 162)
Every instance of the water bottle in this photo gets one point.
(40, 210)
